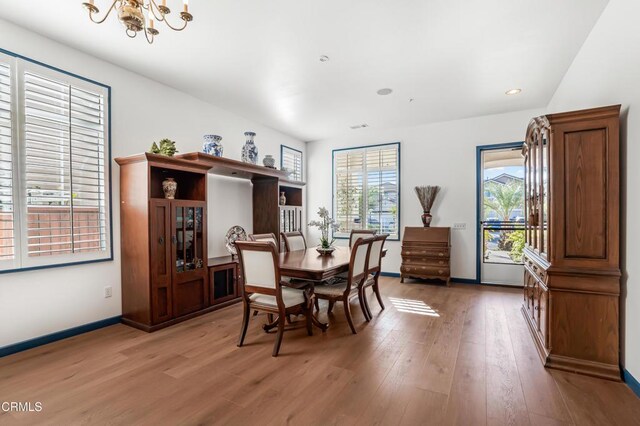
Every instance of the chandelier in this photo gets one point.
(139, 16)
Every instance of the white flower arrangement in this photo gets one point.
(325, 224)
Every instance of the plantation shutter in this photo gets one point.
(366, 189)
(7, 211)
(348, 202)
(64, 135)
(382, 189)
(292, 160)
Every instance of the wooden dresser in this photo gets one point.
(426, 253)
(571, 256)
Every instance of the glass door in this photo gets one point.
(502, 217)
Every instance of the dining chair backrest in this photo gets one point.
(294, 241)
(360, 233)
(266, 237)
(260, 269)
(375, 255)
(359, 260)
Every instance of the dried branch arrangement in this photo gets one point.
(426, 196)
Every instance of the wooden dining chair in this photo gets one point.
(264, 291)
(374, 268)
(270, 237)
(360, 233)
(353, 286)
(294, 241)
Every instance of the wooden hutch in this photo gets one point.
(571, 256)
(166, 274)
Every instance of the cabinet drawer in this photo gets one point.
(425, 270)
(425, 252)
(434, 262)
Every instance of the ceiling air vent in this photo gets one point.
(359, 126)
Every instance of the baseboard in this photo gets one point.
(59, 335)
(631, 382)
(464, 281)
(455, 280)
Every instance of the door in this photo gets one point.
(189, 257)
(501, 214)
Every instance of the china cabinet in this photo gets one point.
(571, 254)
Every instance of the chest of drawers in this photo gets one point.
(426, 253)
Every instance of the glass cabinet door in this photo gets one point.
(535, 179)
(189, 238)
(544, 202)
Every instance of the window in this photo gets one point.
(366, 189)
(291, 159)
(54, 142)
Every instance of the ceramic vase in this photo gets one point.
(212, 145)
(269, 161)
(426, 219)
(283, 199)
(249, 150)
(169, 187)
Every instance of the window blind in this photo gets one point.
(64, 167)
(291, 159)
(54, 137)
(7, 238)
(366, 189)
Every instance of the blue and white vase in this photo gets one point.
(212, 145)
(249, 150)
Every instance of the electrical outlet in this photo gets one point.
(108, 291)
(459, 226)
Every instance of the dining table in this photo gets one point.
(311, 266)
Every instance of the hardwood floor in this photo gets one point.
(436, 355)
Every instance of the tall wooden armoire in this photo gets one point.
(572, 252)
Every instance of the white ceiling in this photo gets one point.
(260, 58)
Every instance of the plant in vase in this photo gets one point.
(426, 196)
(165, 147)
(327, 226)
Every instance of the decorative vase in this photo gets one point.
(169, 186)
(249, 150)
(283, 199)
(325, 251)
(212, 145)
(426, 219)
(269, 161)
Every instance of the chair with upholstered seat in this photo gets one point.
(270, 237)
(294, 241)
(353, 286)
(374, 268)
(360, 233)
(264, 291)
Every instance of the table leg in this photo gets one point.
(314, 320)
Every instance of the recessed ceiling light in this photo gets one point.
(384, 92)
(512, 92)
(324, 58)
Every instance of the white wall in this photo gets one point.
(606, 72)
(436, 154)
(37, 303)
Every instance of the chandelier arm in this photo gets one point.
(100, 21)
(176, 28)
(148, 36)
(162, 17)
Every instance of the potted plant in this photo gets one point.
(165, 147)
(426, 196)
(325, 224)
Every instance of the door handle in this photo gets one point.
(161, 240)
